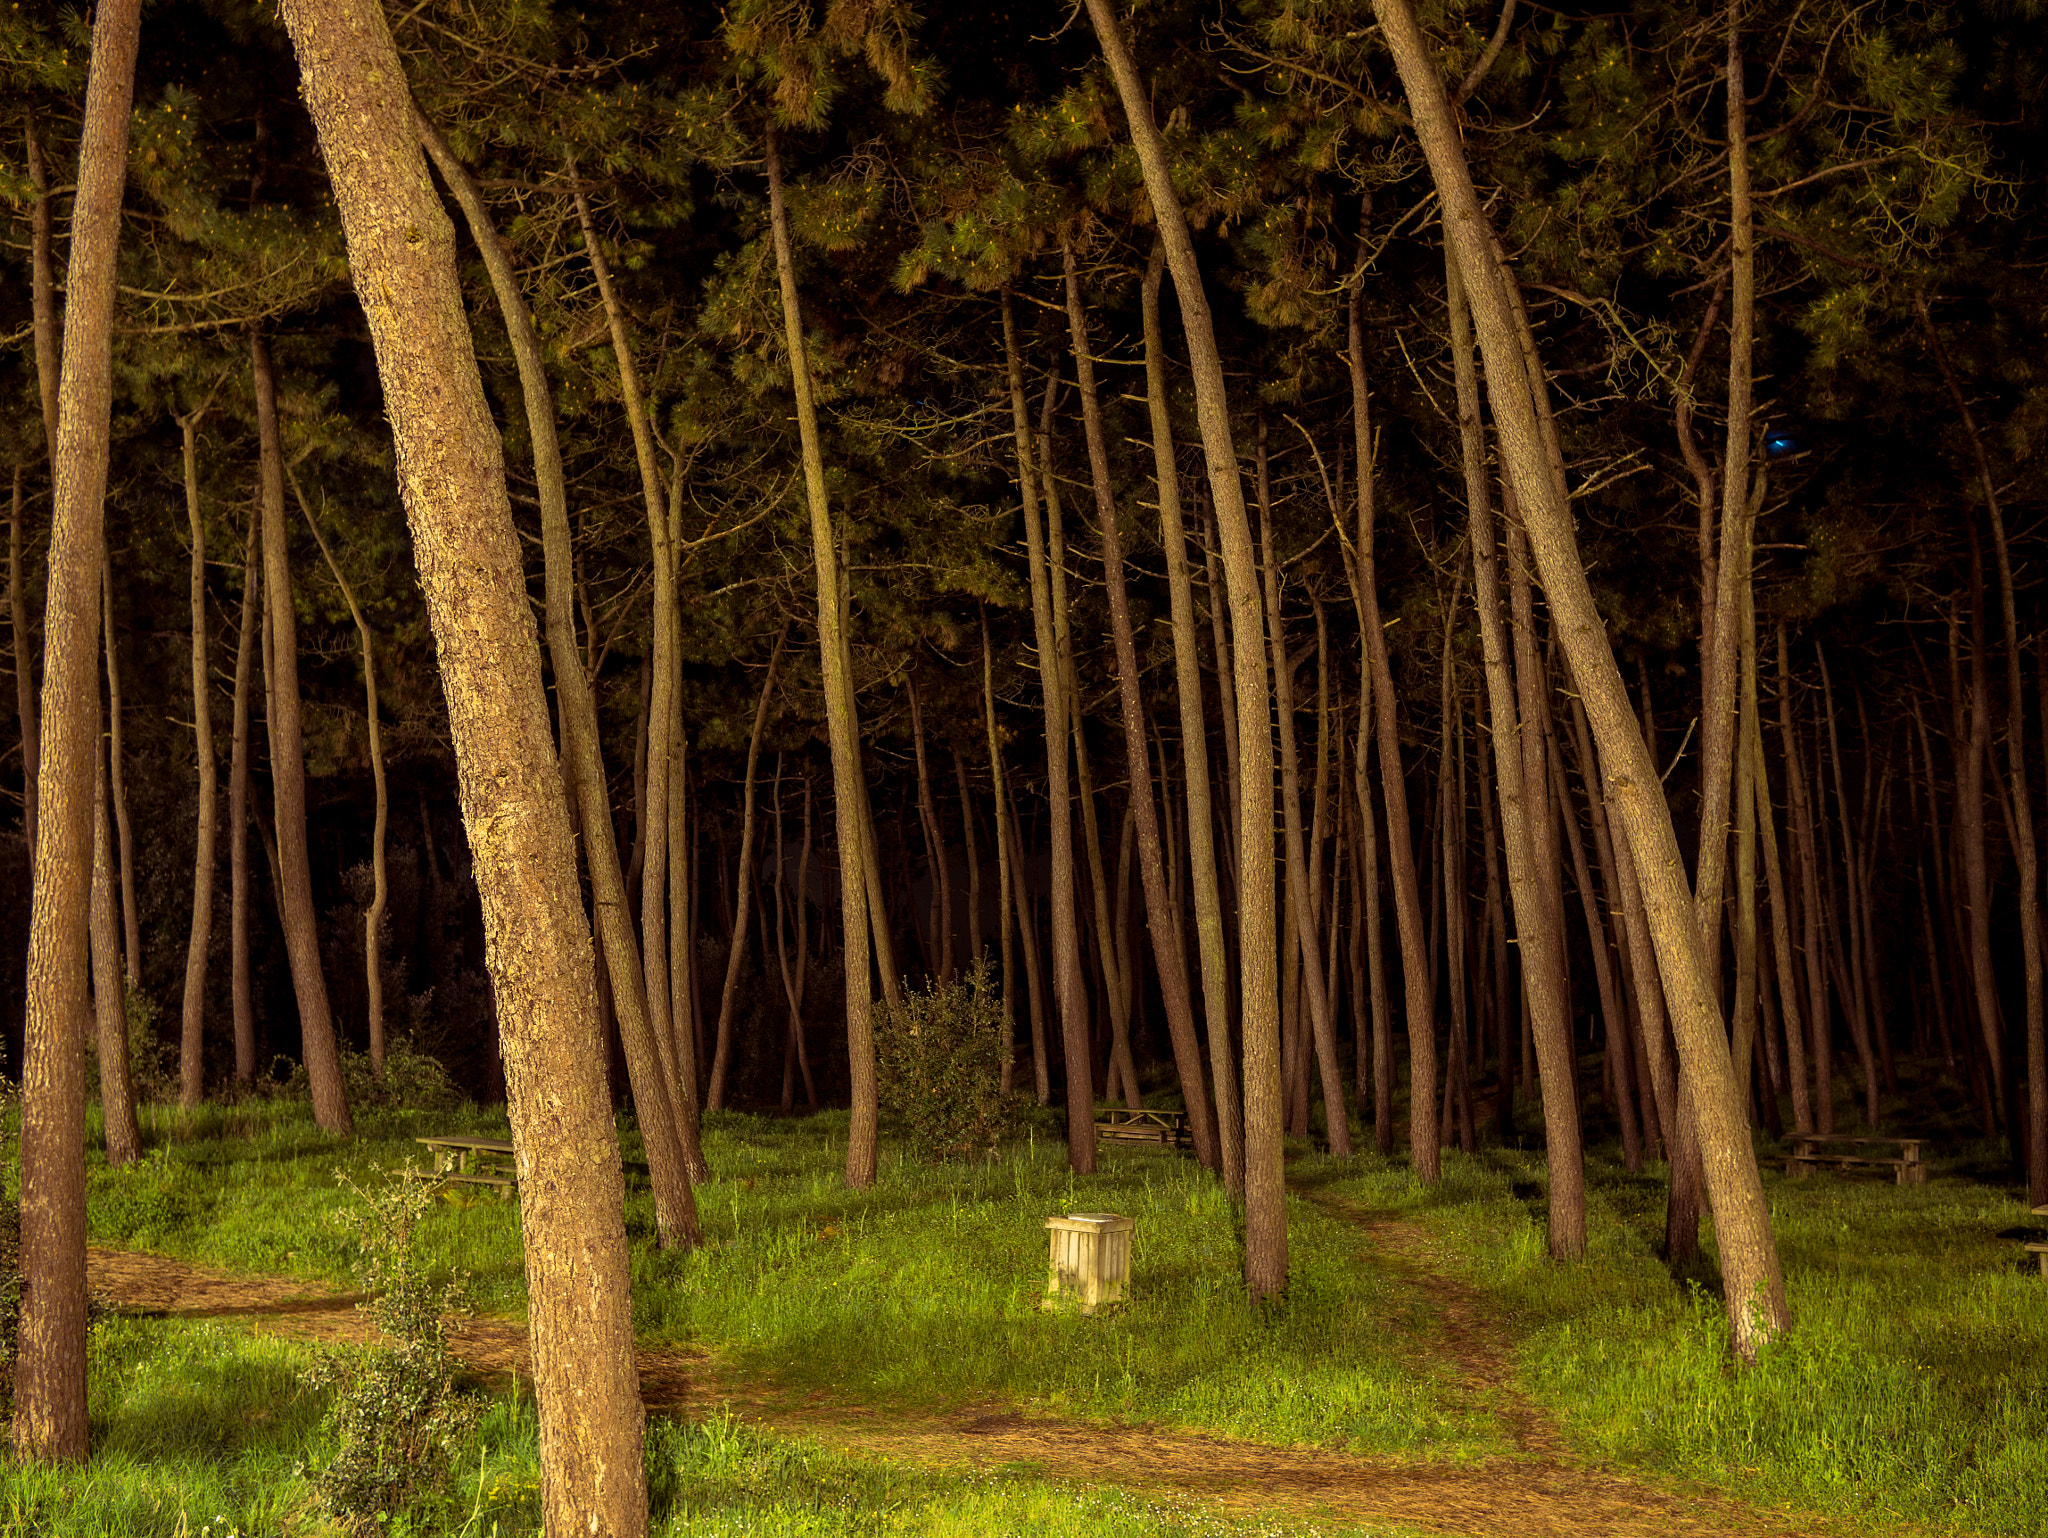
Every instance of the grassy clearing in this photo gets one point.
(202, 1431)
(1912, 1386)
(923, 1290)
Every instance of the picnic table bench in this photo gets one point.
(1168, 1129)
(1810, 1150)
(481, 1161)
(2040, 1249)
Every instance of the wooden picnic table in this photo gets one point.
(1168, 1129)
(482, 1161)
(1810, 1150)
(2041, 1250)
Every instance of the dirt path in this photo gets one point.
(1539, 1492)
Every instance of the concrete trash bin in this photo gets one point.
(1091, 1258)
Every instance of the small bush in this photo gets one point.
(940, 1059)
(413, 1081)
(395, 1412)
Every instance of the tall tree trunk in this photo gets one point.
(842, 723)
(451, 475)
(110, 993)
(664, 746)
(1853, 997)
(2025, 852)
(49, 1370)
(1503, 1004)
(1265, 1233)
(1363, 569)
(728, 996)
(192, 1036)
(24, 673)
(1194, 736)
(1809, 897)
(1754, 1282)
(1066, 939)
(1337, 1124)
(1168, 960)
(1536, 937)
(288, 767)
(657, 1080)
(1781, 935)
(241, 751)
(373, 918)
(1004, 889)
(1111, 958)
(131, 923)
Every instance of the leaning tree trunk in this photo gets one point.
(1753, 1279)
(1066, 938)
(451, 473)
(1265, 1224)
(1322, 1028)
(192, 1036)
(842, 724)
(1170, 962)
(288, 767)
(49, 1370)
(665, 1127)
(373, 919)
(1536, 937)
(1194, 736)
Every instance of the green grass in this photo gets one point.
(1910, 1389)
(1914, 1383)
(922, 1290)
(201, 1430)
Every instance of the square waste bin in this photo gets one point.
(1091, 1258)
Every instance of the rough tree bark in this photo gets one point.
(49, 1370)
(451, 474)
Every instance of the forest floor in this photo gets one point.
(1541, 1487)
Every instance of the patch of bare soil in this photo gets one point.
(1540, 1491)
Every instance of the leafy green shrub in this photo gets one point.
(151, 1074)
(395, 1412)
(940, 1059)
(413, 1081)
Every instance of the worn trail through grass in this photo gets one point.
(1541, 1489)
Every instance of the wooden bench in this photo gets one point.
(480, 1161)
(2040, 1250)
(1166, 1129)
(1810, 1150)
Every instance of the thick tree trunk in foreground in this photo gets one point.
(666, 1128)
(1754, 1282)
(451, 473)
(49, 1369)
(1265, 1225)
(288, 768)
(842, 723)
(192, 1036)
